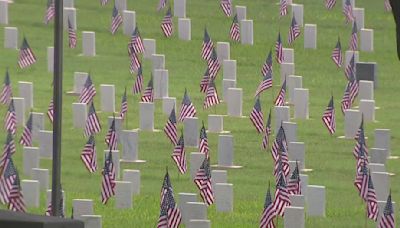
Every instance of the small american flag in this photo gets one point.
(213, 65)
(328, 118)
(257, 116)
(148, 93)
(234, 32)
(348, 11)
(281, 197)
(279, 144)
(26, 56)
(337, 54)
(211, 98)
(161, 4)
(170, 215)
(294, 31)
(345, 103)
(267, 132)
(136, 44)
(50, 111)
(89, 155)
(124, 106)
(88, 92)
(137, 87)
(50, 11)
(279, 49)
(111, 137)
(265, 84)
(353, 44)
(280, 99)
(268, 215)
(108, 179)
(8, 150)
(135, 64)
(166, 24)
(372, 203)
(179, 155)
(92, 122)
(170, 128)
(166, 185)
(71, 35)
(187, 108)
(61, 207)
(26, 137)
(329, 4)
(226, 6)
(203, 145)
(293, 185)
(283, 7)
(103, 2)
(205, 81)
(387, 219)
(6, 92)
(282, 165)
(353, 88)
(361, 146)
(207, 46)
(203, 182)
(10, 120)
(116, 20)
(361, 181)
(388, 7)
(267, 66)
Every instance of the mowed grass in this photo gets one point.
(330, 158)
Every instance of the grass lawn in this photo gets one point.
(330, 158)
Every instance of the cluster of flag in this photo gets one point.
(136, 47)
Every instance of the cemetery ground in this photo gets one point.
(330, 158)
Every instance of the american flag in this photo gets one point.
(345, 103)
(116, 20)
(71, 35)
(268, 215)
(111, 137)
(337, 54)
(213, 65)
(267, 66)
(283, 7)
(293, 185)
(26, 137)
(281, 197)
(279, 49)
(360, 152)
(10, 120)
(148, 93)
(328, 118)
(203, 144)
(61, 207)
(179, 155)
(10, 189)
(136, 44)
(282, 165)
(294, 31)
(226, 6)
(205, 81)
(6, 92)
(207, 46)
(8, 150)
(234, 32)
(26, 56)
(92, 122)
(257, 116)
(170, 215)
(50, 111)
(161, 4)
(166, 185)
(387, 219)
(203, 182)
(361, 145)
(279, 144)
(348, 11)
(88, 92)
(187, 108)
(170, 128)
(388, 7)
(329, 4)
(267, 132)
(353, 88)
(137, 87)
(108, 179)
(103, 2)
(280, 99)
(166, 24)
(50, 11)
(353, 44)
(372, 203)
(124, 106)
(135, 64)
(361, 181)
(265, 84)
(211, 98)
(89, 155)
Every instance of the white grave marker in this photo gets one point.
(184, 29)
(89, 43)
(10, 37)
(310, 36)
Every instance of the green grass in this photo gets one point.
(329, 157)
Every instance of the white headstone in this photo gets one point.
(366, 90)
(304, 185)
(229, 69)
(382, 140)
(160, 83)
(107, 94)
(367, 40)
(293, 81)
(129, 22)
(300, 101)
(196, 159)
(316, 200)
(130, 145)
(367, 108)
(158, 61)
(120, 5)
(296, 152)
(195, 210)
(41, 175)
(349, 55)
(246, 32)
(218, 176)
(282, 113)
(215, 123)
(298, 13)
(381, 181)
(234, 102)
(191, 131)
(10, 37)
(89, 43)
(180, 8)
(132, 176)
(118, 126)
(183, 199)
(26, 92)
(310, 36)
(241, 12)
(297, 200)
(91, 221)
(225, 150)
(37, 124)
(30, 190)
(79, 113)
(223, 51)
(115, 159)
(149, 48)
(19, 105)
(69, 14)
(294, 217)
(146, 115)
(374, 167)
(359, 16)
(226, 84)
(123, 194)
(4, 12)
(184, 28)
(79, 82)
(68, 3)
(30, 159)
(82, 207)
(288, 55)
(352, 120)
(199, 223)
(286, 70)
(167, 104)
(290, 131)
(378, 155)
(46, 144)
(224, 197)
